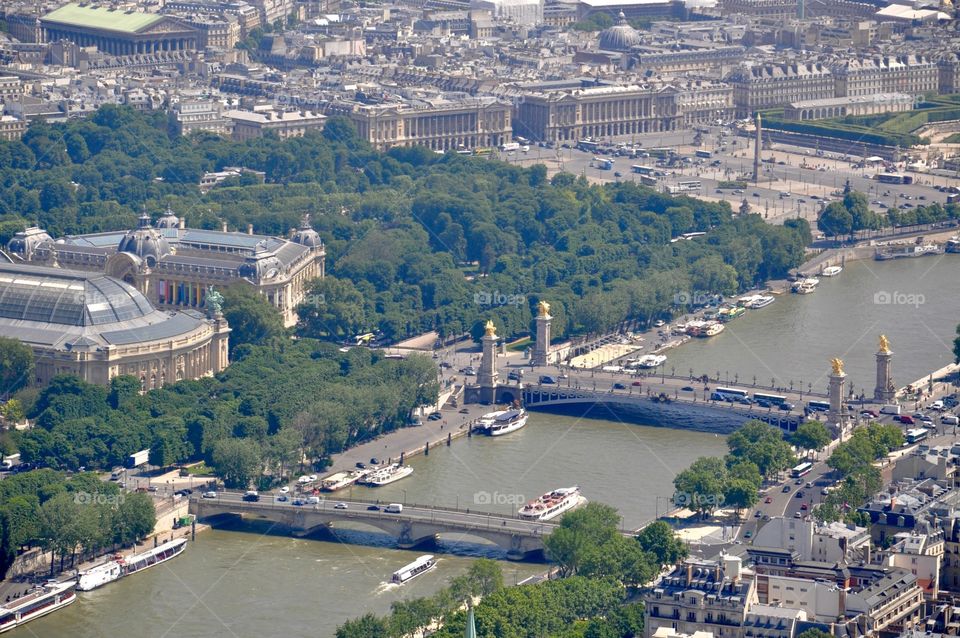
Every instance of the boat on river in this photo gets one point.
(906, 252)
(120, 566)
(832, 271)
(422, 565)
(553, 504)
(805, 286)
(386, 475)
(341, 480)
(38, 602)
(502, 422)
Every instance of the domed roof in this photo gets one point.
(25, 242)
(168, 220)
(306, 235)
(63, 297)
(145, 242)
(619, 37)
(262, 265)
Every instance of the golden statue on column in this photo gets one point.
(491, 330)
(837, 366)
(884, 344)
(543, 308)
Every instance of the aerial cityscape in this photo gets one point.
(482, 318)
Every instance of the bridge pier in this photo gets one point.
(408, 540)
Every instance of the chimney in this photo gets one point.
(182, 224)
(689, 573)
(223, 226)
(249, 229)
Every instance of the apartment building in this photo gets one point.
(771, 85)
(911, 74)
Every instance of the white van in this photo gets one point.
(950, 419)
(313, 500)
(890, 409)
(394, 508)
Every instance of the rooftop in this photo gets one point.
(103, 18)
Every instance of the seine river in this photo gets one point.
(254, 583)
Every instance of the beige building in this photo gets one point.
(571, 114)
(248, 125)
(10, 88)
(98, 327)
(949, 66)
(193, 115)
(11, 128)
(704, 102)
(843, 106)
(912, 74)
(174, 267)
(770, 85)
(779, 9)
(217, 32)
(438, 124)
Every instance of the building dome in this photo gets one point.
(619, 37)
(25, 243)
(145, 242)
(168, 220)
(306, 235)
(262, 265)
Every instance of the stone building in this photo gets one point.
(98, 327)
(558, 112)
(11, 128)
(707, 60)
(770, 85)
(843, 106)
(949, 68)
(253, 124)
(911, 74)
(703, 102)
(118, 32)
(10, 88)
(777, 9)
(437, 123)
(192, 115)
(174, 267)
(215, 31)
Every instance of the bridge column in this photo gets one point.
(836, 417)
(885, 390)
(541, 348)
(487, 376)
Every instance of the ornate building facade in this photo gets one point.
(174, 266)
(118, 32)
(98, 327)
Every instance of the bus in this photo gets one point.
(646, 180)
(588, 145)
(643, 170)
(685, 186)
(602, 163)
(915, 436)
(894, 178)
(703, 154)
(801, 470)
(662, 153)
(483, 152)
(730, 392)
(772, 399)
(510, 146)
(818, 406)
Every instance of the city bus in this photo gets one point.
(643, 170)
(723, 393)
(662, 153)
(801, 470)
(588, 145)
(772, 399)
(483, 152)
(894, 178)
(915, 436)
(818, 406)
(703, 154)
(685, 186)
(646, 180)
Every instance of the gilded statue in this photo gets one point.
(884, 344)
(491, 329)
(544, 308)
(837, 366)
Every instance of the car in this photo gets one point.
(757, 514)
(799, 494)
(637, 383)
(766, 517)
(374, 460)
(799, 481)
(786, 488)
(808, 485)
(906, 418)
(617, 174)
(373, 508)
(513, 376)
(464, 411)
(436, 416)
(687, 388)
(756, 194)
(769, 499)
(786, 406)
(303, 479)
(937, 405)
(340, 506)
(745, 401)
(209, 495)
(299, 502)
(313, 500)
(719, 192)
(797, 515)
(803, 507)
(870, 413)
(186, 491)
(282, 498)
(659, 323)
(748, 534)
(917, 415)
(950, 419)
(358, 465)
(446, 364)
(781, 163)
(251, 496)
(619, 386)
(950, 401)
(152, 488)
(284, 489)
(926, 419)
(763, 404)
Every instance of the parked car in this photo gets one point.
(373, 508)
(687, 388)
(786, 406)
(619, 386)
(209, 495)
(769, 499)
(786, 488)
(637, 383)
(283, 498)
(906, 418)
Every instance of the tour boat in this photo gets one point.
(832, 271)
(761, 301)
(502, 422)
(707, 329)
(553, 504)
(40, 601)
(953, 245)
(341, 480)
(730, 313)
(423, 564)
(651, 360)
(387, 475)
(805, 286)
(900, 252)
(120, 566)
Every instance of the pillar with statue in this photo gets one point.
(884, 391)
(836, 416)
(541, 348)
(487, 376)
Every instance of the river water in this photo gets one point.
(254, 582)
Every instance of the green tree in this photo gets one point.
(835, 220)
(367, 626)
(16, 366)
(659, 539)
(811, 435)
(332, 309)
(136, 517)
(236, 462)
(251, 317)
(740, 494)
(700, 487)
(762, 444)
(123, 389)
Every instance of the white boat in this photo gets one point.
(502, 422)
(805, 286)
(651, 360)
(341, 480)
(387, 475)
(832, 271)
(120, 566)
(420, 566)
(38, 602)
(553, 504)
(712, 330)
(761, 301)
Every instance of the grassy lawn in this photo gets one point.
(520, 345)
